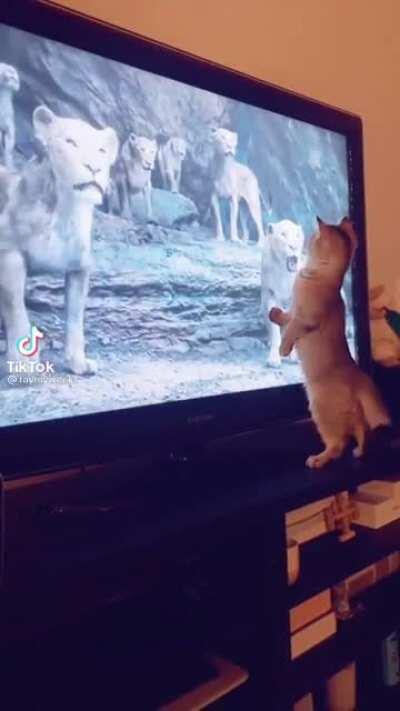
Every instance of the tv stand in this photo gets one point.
(200, 535)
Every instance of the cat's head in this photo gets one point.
(332, 247)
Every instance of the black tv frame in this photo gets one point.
(174, 426)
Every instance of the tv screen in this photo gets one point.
(153, 208)
(147, 227)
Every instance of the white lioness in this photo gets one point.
(9, 84)
(171, 155)
(281, 259)
(133, 173)
(46, 225)
(234, 181)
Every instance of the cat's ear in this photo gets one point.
(347, 226)
(320, 227)
(346, 222)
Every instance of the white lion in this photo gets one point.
(234, 181)
(133, 173)
(281, 258)
(171, 155)
(9, 84)
(47, 222)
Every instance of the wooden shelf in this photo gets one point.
(354, 637)
(325, 561)
(214, 527)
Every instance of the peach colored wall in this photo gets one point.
(343, 52)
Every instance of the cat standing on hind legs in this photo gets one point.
(344, 402)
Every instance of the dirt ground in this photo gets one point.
(138, 382)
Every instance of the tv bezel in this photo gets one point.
(175, 425)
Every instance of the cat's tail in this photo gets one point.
(373, 407)
(385, 435)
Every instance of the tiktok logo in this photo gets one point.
(29, 345)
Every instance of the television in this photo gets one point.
(153, 206)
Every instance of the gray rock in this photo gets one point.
(157, 344)
(247, 344)
(203, 335)
(168, 209)
(105, 340)
(215, 349)
(175, 296)
(111, 228)
(180, 347)
(56, 345)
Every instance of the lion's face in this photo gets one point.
(145, 149)
(81, 156)
(225, 141)
(9, 77)
(289, 239)
(179, 147)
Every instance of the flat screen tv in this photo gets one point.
(153, 207)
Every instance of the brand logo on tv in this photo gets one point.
(200, 419)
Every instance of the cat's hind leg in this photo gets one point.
(372, 405)
(334, 425)
(333, 450)
(359, 436)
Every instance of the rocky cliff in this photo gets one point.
(301, 170)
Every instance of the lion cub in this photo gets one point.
(344, 402)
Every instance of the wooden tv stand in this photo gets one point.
(208, 540)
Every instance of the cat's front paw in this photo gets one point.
(316, 461)
(80, 365)
(285, 349)
(275, 315)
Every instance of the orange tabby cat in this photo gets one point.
(344, 402)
